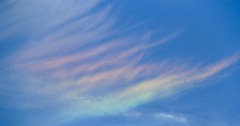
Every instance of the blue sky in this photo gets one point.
(114, 63)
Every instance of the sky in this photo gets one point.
(119, 63)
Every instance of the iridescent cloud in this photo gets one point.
(87, 68)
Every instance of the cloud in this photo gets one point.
(77, 61)
(171, 117)
(92, 97)
(30, 18)
(157, 118)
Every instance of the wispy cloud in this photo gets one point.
(85, 67)
(171, 117)
(162, 118)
